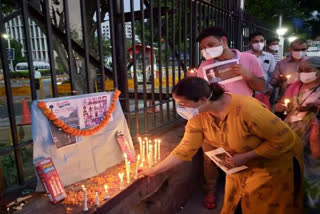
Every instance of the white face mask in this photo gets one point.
(274, 47)
(258, 46)
(298, 54)
(187, 113)
(308, 77)
(210, 53)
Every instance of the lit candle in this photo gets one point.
(85, 200)
(125, 158)
(106, 192)
(97, 199)
(286, 102)
(159, 154)
(288, 76)
(128, 172)
(143, 150)
(121, 174)
(147, 148)
(155, 159)
(151, 154)
(137, 166)
(141, 165)
(140, 144)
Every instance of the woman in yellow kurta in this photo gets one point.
(253, 135)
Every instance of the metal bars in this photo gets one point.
(152, 33)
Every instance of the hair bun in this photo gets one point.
(216, 90)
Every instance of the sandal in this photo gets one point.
(210, 201)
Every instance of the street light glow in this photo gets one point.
(281, 31)
(5, 36)
(292, 38)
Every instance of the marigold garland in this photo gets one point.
(68, 129)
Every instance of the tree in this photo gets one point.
(17, 51)
(294, 12)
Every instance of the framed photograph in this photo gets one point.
(219, 157)
(221, 72)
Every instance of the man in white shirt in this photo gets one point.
(267, 62)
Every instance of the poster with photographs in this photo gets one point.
(92, 110)
(68, 113)
(219, 157)
(221, 72)
(80, 113)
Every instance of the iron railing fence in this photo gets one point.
(141, 47)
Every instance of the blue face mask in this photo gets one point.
(188, 113)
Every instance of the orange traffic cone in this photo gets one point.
(26, 115)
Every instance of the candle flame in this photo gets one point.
(141, 165)
(286, 101)
(82, 186)
(139, 138)
(138, 157)
(106, 187)
(125, 155)
(288, 76)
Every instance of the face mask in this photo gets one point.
(308, 77)
(258, 46)
(298, 54)
(274, 47)
(187, 113)
(210, 53)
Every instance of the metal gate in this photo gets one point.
(141, 47)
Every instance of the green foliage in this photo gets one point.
(18, 53)
(270, 10)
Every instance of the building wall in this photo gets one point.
(14, 29)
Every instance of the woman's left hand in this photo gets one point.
(238, 159)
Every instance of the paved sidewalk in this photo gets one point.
(195, 204)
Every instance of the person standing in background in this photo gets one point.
(267, 62)
(273, 47)
(286, 71)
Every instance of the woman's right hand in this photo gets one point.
(280, 107)
(147, 172)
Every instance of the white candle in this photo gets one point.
(85, 200)
(97, 199)
(151, 154)
(286, 102)
(137, 166)
(143, 150)
(147, 148)
(125, 158)
(106, 192)
(140, 144)
(121, 174)
(155, 159)
(159, 154)
(128, 172)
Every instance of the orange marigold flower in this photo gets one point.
(60, 123)
(117, 93)
(64, 126)
(41, 104)
(56, 121)
(52, 117)
(46, 111)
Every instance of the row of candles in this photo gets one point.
(85, 199)
(147, 151)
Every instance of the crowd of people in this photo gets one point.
(268, 120)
